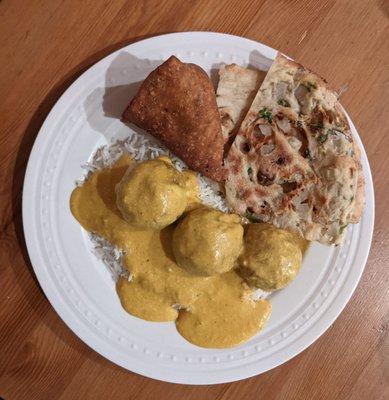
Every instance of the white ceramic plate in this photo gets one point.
(79, 286)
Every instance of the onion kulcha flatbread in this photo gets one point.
(294, 162)
(176, 103)
(235, 92)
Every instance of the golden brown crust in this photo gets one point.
(177, 104)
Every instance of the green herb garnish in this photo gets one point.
(309, 85)
(283, 103)
(317, 125)
(342, 228)
(322, 138)
(307, 154)
(266, 114)
(252, 216)
(250, 173)
(334, 131)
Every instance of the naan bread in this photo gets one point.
(235, 92)
(294, 162)
(177, 104)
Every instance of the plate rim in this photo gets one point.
(70, 320)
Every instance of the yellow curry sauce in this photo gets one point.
(215, 311)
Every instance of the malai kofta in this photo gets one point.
(271, 257)
(215, 311)
(152, 194)
(208, 242)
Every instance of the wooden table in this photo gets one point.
(45, 45)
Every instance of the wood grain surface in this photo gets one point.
(45, 45)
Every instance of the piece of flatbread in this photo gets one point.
(294, 162)
(176, 103)
(235, 92)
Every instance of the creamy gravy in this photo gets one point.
(215, 311)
